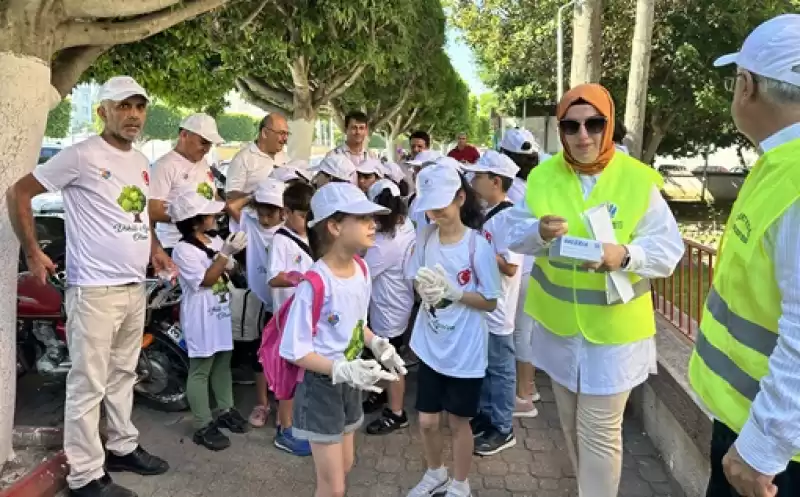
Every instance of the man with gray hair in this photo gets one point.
(745, 367)
(105, 183)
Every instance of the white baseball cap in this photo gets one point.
(292, 170)
(189, 204)
(772, 50)
(519, 141)
(450, 162)
(119, 88)
(394, 172)
(379, 186)
(270, 191)
(423, 157)
(437, 186)
(337, 166)
(496, 163)
(203, 125)
(341, 197)
(370, 166)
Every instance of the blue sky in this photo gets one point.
(464, 61)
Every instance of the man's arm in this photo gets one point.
(236, 177)
(157, 210)
(160, 186)
(18, 200)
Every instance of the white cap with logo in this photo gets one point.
(519, 141)
(119, 88)
(189, 204)
(393, 171)
(772, 50)
(337, 166)
(371, 166)
(204, 126)
(341, 197)
(437, 186)
(292, 170)
(496, 163)
(379, 186)
(270, 191)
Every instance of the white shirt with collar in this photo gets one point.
(249, 167)
(355, 158)
(771, 436)
(573, 361)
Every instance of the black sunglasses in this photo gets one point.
(594, 125)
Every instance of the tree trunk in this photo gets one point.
(636, 103)
(649, 154)
(25, 99)
(587, 43)
(301, 127)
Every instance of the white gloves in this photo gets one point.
(387, 355)
(360, 374)
(235, 243)
(434, 285)
(231, 264)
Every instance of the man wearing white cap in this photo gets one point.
(181, 168)
(105, 183)
(745, 366)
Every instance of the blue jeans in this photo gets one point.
(498, 391)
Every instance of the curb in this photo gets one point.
(45, 480)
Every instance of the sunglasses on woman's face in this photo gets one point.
(593, 125)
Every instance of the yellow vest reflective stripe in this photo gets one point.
(567, 299)
(739, 328)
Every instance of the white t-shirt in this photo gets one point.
(259, 243)
(205, 312)
(419, 218)
(105, 204)
(286, 256)
(501, 321)
(340, 331)
(393, 294)
(356, 159)
(454, 340)
(517, 194)
(173, 173)
(249, 168)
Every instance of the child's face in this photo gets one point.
(366, 180)
(484, 186)
(448, 215)
(269, 216)
(355, 232)
(296, 220)
(209, 223)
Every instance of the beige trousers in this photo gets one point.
(592, 427)
(104, 335)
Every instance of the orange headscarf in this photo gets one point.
(601, 100)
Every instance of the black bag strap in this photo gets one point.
(505, 204)
(300, 243)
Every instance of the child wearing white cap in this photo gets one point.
(494, 174)
(458, 281)
(333, 168)
(202, 263)
(259, 223)
(290, 252)
(393, 295)
(327, 404)
(368, 172)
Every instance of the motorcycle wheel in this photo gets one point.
(163, 368)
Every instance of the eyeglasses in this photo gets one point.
(593, 125)
(280, 132)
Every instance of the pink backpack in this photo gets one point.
(282, 375)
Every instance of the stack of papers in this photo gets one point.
(618, 284)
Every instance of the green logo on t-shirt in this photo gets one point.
(204, 189)
(220, 289)
(133, 201)
(356, 344)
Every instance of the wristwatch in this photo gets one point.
(627, 259)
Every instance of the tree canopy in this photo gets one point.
(687, 107)
(237, 127)
(58, 120)
(162, 123)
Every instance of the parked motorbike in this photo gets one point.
(163, 363)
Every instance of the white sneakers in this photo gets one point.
(436, 481)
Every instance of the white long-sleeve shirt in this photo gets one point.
(771, 436)
(574, 362)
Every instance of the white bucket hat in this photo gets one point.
(341, 197)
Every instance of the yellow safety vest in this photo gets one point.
(739, 328)
(567, 299)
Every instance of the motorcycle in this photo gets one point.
(163, 363)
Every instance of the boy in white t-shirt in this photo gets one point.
(494, 174)
(259, 223)
(290, 252)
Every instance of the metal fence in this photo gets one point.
(680, 297)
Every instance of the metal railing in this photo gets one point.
(680, 298)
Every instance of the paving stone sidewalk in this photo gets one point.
(386, 466)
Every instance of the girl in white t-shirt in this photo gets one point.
(458, 280)
(202, 263)
(327, 404)
(259, 223)
(392, 296)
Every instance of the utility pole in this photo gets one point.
(638, 77)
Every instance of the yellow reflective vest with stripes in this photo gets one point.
(567, 299)
(739, 327)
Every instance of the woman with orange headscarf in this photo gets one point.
(594, 347)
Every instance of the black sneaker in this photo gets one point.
(233, 422)
(374, 402)
(493, 442)
(211, 438)
(387, 423)
(139, 461)
(102, 487)
(243, 376)
(480, 424)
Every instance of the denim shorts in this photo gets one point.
(323, 412)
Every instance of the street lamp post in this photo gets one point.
(560, 45)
